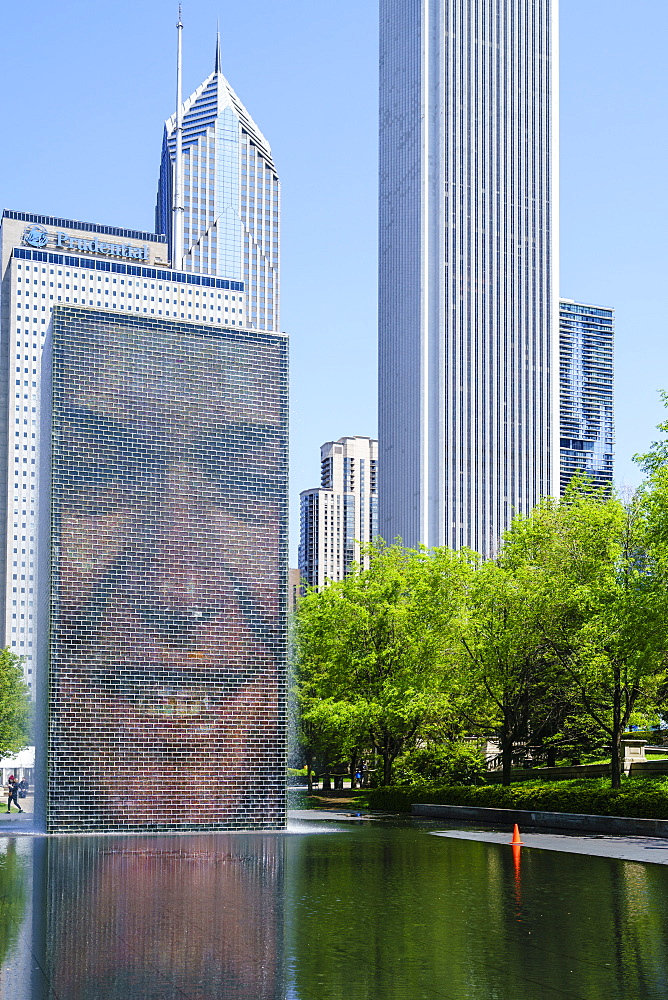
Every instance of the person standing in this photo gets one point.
(12, 794)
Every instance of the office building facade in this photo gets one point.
(231, 195)
(162, 568)
(468, 268)
(45, 261)
(341, 516)
(586, 380)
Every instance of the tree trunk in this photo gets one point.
(309, 773)
(387, 768)
(615, 760)
(353, 770)
(506, 762)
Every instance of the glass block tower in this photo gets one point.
(231, 197)
(162, 574)
(342, 514)
(468, 259)
(586, 378)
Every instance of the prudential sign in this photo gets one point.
(40, 238)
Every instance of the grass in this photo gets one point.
(339, 798)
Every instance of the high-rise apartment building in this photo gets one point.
(231, 199)
(586, 378)
(341, 516)
(468, 296)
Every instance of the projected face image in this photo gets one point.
(168, 515)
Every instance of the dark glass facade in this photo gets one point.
(586, 383)
(163, 513)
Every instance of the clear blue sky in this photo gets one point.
(87, 86)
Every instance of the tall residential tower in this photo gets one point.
(231, 199)
(586, 383)
(468, 299)
(342, 515)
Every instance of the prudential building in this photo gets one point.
(231, 197)
(468, 338)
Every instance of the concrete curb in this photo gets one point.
(580, 822)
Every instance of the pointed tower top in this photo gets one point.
(179, 24)
(218, 65)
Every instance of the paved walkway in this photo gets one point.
(646, 849)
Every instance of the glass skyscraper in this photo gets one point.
(586, 378)
(231, 198)
(468, 296)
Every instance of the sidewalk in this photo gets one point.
(653, 850)
(16, 822)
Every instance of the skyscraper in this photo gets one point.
(586, 388)
(468, 296)
(231, 199)
(340, 516)
(45, 261)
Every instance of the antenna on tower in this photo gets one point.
(177, 216)
(218, 67)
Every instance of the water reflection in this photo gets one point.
(14, 913)
(372, 912)
(397, 914)
(159, 918)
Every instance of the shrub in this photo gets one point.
(449, 764)
(639, 797)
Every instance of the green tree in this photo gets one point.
(604, 607)
(508, 668)
(380, 639)
(15, 712)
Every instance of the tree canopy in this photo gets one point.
(557, 645)
(15, 713)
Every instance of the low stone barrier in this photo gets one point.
(581, 822)
(636, 768)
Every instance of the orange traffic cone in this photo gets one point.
(516, 842)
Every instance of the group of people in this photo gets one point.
(15, 790)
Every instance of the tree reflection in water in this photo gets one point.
(14, 881)
(371, 911)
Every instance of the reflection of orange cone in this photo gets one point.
(516, 842)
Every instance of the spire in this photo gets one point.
(177, 208)
(218, 68)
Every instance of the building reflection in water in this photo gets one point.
(158, 918)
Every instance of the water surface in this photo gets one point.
(352, 911)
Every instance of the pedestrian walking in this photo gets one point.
(12, 794)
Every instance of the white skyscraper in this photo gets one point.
(231, 199)
(468, 300)
(45, 261)
(341, 516)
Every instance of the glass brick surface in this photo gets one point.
(167, 519)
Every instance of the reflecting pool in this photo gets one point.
(352, 910)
